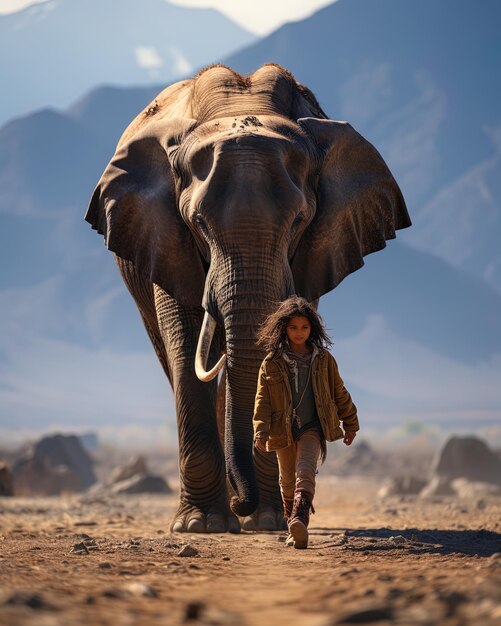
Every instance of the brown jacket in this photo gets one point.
(273, 405)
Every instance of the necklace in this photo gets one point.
(295, 415)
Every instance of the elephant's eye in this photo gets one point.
(201, 162)
(298, 219)
(201, 223)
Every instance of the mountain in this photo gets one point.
(54, 51)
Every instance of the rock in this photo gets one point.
(140, 589)
(115, 592)
(368, 615)
(135, 465)
(29, 599)
(188, 550)
(193, 611)
(438, 486)
(467, 489)
(398, 540)
(347, 572)
(141, 484)
(467, 457)
(403, 485)
(54, 465)
(79, 548)
(5, 480)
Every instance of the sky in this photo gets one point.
(258, 16)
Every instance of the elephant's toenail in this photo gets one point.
(267, 521)
(249, 523)
(177, 527)
(215, 524)
(233, 526)
(196, 525)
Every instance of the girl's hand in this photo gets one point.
(260, 444)
(349, 436)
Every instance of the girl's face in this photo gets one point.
(298, 331)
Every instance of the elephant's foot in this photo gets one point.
(191, 519)
(265, 518)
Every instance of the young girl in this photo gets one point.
(300, 402)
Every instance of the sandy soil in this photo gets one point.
(76, 560)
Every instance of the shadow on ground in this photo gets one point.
(469, 542)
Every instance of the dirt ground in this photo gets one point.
(112, 561)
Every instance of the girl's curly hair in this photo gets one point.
(272, 333)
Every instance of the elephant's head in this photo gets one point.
(234, 193)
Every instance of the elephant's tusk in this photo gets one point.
(203, 349)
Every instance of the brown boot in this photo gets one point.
(288, 504)
(300, 518)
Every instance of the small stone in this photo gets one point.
(105, 565)
(227, 558)
(30, 599)
(481, 504)
(140, 589)
(347, 572)
(188, 550)
(365, 616)
(394, 592)
(114, 593)
(281, 538)
(452, 599)
(79, 548)
(399, 540)
(391, 511)
(83, 537)
(193, 610)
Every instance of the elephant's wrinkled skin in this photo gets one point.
(226, 195)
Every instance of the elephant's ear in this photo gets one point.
(359, 207)
(135, 207)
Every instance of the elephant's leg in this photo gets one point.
(173, 331)
(203, 498)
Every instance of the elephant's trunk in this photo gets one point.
(241, 377)
(249, 296)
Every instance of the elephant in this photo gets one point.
(225, 195)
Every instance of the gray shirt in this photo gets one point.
(299, 366)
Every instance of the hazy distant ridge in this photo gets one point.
(54, 51)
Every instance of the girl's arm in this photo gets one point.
(347, 411)
(262, 408)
